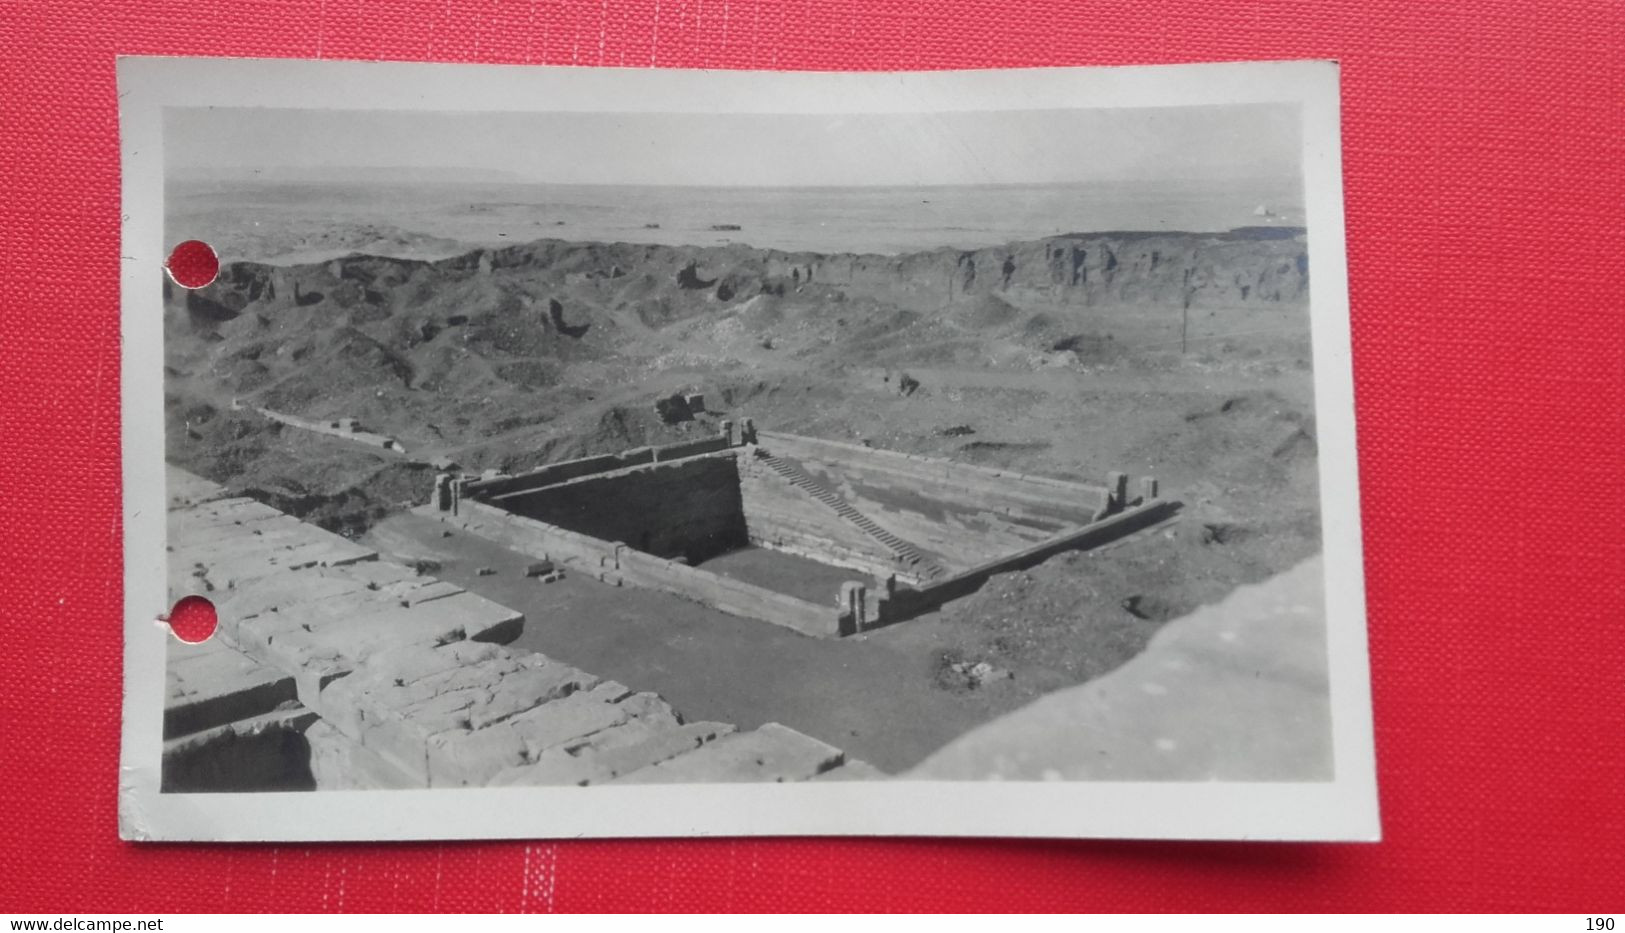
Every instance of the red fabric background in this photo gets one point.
(1485, 157)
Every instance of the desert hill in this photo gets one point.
(502, 358)
(1180, 355)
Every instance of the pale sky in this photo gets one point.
(1005, 147)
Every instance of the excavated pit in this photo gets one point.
(821, 536)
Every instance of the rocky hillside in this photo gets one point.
(504, 358)
(660, 283)
(519, 317)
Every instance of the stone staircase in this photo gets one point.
(918, 563)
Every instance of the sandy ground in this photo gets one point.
(876, 696)
(1236, 691)
(796, 576)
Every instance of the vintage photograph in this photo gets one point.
(705, 441)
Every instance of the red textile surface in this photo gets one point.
(1485, 175)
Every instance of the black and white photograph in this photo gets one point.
(597, 452)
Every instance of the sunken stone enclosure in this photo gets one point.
(335, 669)
(754, 524)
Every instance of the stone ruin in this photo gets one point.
(333, 668)
(910, 532)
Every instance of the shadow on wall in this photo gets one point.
(271, 755)
(689, 509)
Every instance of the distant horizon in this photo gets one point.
(745, 150)
(368, 175)
(257, 216)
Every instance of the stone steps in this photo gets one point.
(906, 552)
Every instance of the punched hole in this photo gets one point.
(192, 264)
(192, 620)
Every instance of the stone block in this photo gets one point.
(478, 676)
(458, 714)
(338, 762)
(1117, 487)
(210, 544)
(771, 753)
(406, 664)
(340, 706)
(380, 574)
(451, 710)
(313, 679)
(398, 743)
(649, 707)
(630, 732)
(494, 623)
(238, 570)
(363, 600)
(212, 684)
(663, 745)
(292, 644)
(465, 759)
(282, 644)
(468, 697)
(314, 587)
(634, 746)
(194, 540)
(531, 687)
(221, 513)
(609, 691)
(428, 592)
(556, 722)
(391, 681)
